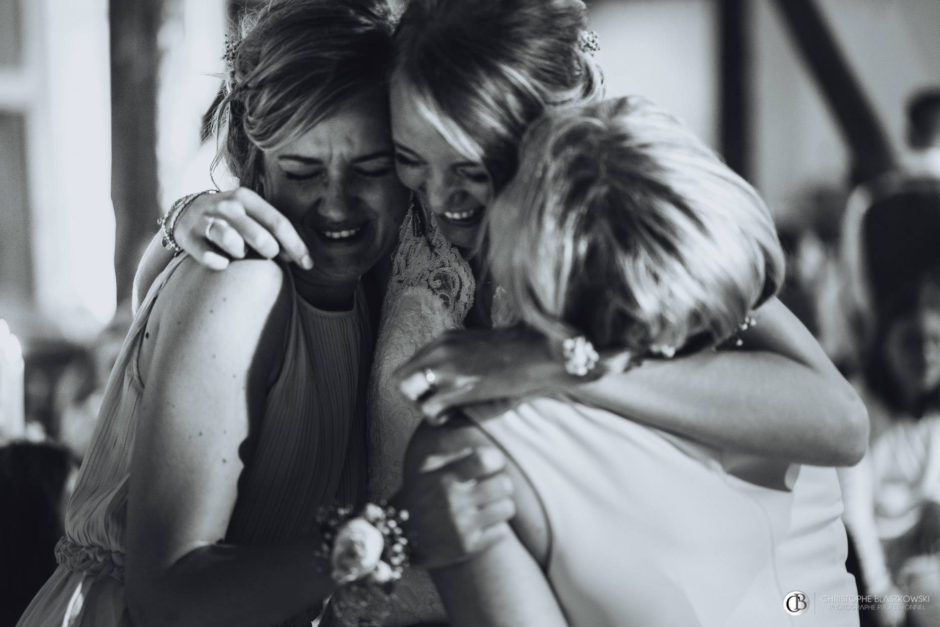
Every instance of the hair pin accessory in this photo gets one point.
(589, 42)
(580, 356)
(231, 49)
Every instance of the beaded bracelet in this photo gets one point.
(168, 222)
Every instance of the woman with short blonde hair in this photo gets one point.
(621, 230)
(624, 222)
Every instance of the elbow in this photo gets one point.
(854, 429)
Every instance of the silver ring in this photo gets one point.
(209, 228)
(431, 379)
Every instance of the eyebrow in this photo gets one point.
(460, 164)
(315, 161)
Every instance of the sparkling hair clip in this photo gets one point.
(749, 321)
(232, 42)
(231, 49)
(589, 42)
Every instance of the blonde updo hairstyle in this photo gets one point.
(481, 71)
(294, 64)
(623, 226)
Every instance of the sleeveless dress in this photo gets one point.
(432, 290)
(308, 451)
(648, 528)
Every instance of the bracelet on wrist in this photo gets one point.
(168, 222)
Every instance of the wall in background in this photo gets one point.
(667, 50)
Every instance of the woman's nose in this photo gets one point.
(441, 193)
(334, 203)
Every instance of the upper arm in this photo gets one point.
(205, 379)
(503, 585)
(779, 331)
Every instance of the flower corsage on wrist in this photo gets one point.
(367, 547)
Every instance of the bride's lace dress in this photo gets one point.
(431, 291)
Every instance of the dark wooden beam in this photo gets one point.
(734, 106)
(859, 125)
(134, 66)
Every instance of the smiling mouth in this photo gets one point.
(341, 235)
(463, 216)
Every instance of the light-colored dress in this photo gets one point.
(432, 291)
(648, 528)
(307, 452)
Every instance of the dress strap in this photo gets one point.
(136, 332)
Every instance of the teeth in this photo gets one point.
(460, 215)
(341, 234)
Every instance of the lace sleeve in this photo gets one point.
(430, 291)
(428, 262)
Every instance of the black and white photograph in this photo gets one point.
(469, 313)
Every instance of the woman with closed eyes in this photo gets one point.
(236, 410)
(468, 78)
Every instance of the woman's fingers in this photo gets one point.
(212, 259)
(491, 490)
(225, 237)
(438, 354)
(273, 232)
(245, 227)
(199, 247)
(498, 511)
(231, 222)
(435, 405)
(459, 500)
(476, 465)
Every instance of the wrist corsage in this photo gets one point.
(367, 552)
(368, 546)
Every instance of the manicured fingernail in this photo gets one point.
(216, 262)
(307, 262)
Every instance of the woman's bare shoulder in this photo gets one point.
(247, 303)
(248, 289)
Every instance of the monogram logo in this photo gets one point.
(795, 603)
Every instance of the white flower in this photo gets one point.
(373, 513)
(382, 573)
(580, 356)
(356, 550)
